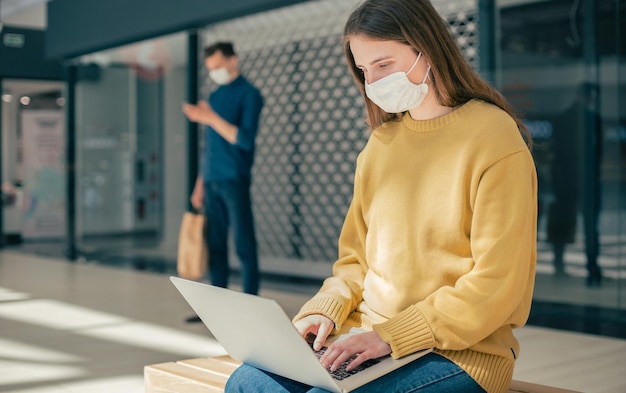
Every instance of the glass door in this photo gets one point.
(130, 133)
(33, 162)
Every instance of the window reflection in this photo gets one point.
(561, 68)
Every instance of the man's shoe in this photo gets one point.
(594, 279)
(193, 319)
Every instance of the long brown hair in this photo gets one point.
(416, 23)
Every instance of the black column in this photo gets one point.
(1, 172)
(192, 128)
(592, 141)
(295, 157)
(70, 113)
(487, 33)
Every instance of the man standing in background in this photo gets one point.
(231, 116)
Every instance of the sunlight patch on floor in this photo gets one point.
(8, 295)
(159, 338)
(29, 372)
(86, 322)
(57, 315)
(12, 350)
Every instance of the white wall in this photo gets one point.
(175, 158)
(9, 140)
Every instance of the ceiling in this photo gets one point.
(24, 13)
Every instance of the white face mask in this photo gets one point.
(395, 93)
(220, 76)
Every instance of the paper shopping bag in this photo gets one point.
(192, 250)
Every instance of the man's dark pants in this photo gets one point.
(228, 204)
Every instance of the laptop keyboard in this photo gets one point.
(341, 373)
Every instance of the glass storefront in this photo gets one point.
(562, 67)
(129, 135)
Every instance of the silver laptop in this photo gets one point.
(257, 331)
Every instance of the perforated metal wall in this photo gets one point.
(313, 124)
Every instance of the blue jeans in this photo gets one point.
(431, 373)
(228, 202)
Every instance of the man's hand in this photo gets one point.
(197, 196)
(201, 113)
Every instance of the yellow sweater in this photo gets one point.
(438, 248)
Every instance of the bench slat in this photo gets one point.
(223, 365)
(181, 378)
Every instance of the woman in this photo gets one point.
(438, 246)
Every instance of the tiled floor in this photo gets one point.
(84, 327)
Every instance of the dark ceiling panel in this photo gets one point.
(21, 55)
(78, 27)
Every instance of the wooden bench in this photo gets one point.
(203, 375)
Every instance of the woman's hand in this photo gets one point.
(317, 325)
(366, 346)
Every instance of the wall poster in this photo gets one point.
(43, 147)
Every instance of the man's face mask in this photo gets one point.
(220, 76)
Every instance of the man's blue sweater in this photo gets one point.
(240, 104)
